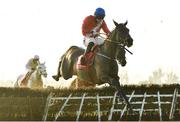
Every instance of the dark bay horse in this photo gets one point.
(105, 67)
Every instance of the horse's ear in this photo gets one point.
(115, 23)
(125, 23)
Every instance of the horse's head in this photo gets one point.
(42, 69)
(121, 34)
(121, 37)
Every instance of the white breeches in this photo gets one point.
(97, 40)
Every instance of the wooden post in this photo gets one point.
(173, 104)
(47, 106)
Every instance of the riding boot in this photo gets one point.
(88, 49)
(56, 77)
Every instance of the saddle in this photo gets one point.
(89, 59)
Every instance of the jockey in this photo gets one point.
(91, 27)
(31, 66)
(32, 63)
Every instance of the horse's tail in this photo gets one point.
(16, 84)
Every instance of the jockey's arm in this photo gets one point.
(28, 65)
(105, 28)
(30, 69)
(38, 62)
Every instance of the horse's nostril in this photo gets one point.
(130, 42)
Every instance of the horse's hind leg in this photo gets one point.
(56, 77)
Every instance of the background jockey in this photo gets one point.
(31, 66)
(32, 63)
(91, 27)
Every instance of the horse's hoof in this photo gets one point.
(129, 109)
(120, 100)
(56, 78)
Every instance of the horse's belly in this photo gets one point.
(87, 75)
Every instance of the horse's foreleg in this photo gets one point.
(116, 85)
(113, 81)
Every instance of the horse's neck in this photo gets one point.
(37, 74)
(109, 49)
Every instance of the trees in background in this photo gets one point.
(160, 77)
(171, 77)
(156, 77)
(124, 78)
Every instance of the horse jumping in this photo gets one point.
(104, 68)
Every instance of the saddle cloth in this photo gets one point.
(89, 61)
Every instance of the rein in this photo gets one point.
(107, 39)
(107, 57)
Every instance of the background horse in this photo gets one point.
(104, 68)
(35, 80)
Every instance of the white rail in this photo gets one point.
(142, 107)
(79, 112)
(133, 98)
(159, 105)
(173, 105)
(60, 111)
(122, 113)
(112, 108)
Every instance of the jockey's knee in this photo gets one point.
(91, 44)
(89, 47)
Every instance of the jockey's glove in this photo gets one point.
(33, 69)
(94, 34)
(108, 34)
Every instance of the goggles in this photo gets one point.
(99, 17)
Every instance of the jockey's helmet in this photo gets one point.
(99, 13)
(36, 57)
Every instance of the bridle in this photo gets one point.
(120, 44)
(42, 71)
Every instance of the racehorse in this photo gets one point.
(79, 83)
(35, 78)
(104, 68)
